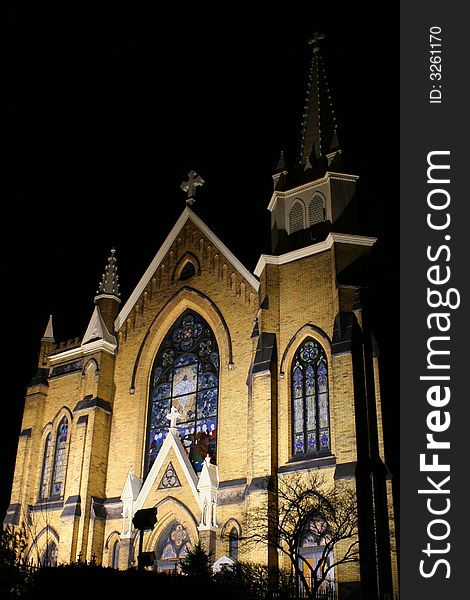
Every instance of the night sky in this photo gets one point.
(108, 110)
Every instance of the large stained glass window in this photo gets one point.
(310, 405)
(60, 459)
(185, 375)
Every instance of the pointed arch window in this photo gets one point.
(310, 402)
(115, 555)
(60, 459)
(296, 217)
(233, 544)
(185, 375)
(46, 468)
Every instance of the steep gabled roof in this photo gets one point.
(186, 215)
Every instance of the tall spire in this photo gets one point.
(49, 333)
(319, 138)
(109, 282)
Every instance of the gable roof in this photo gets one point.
(172, 441)
(147, 276)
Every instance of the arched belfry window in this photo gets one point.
(185, 375)
(296, 217)
(310, 403)
(316, 210)
(60, 459)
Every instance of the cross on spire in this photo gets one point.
(315, 39)
(194, 181)
(173, 416)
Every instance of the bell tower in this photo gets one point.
(311, 193)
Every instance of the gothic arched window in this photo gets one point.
(115, 555)
(233, 544)
(296, 217)
(310, 406)
(185, 375)
(60, 459)
(46, 468)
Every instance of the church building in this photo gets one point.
(209, 380)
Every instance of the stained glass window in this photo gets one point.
(310, 406)
(233, 544)
(46, 468)
(185, 375)
(115, 555)
(173, 544)
(60, 458)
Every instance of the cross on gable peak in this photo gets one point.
(194, 181)
(173, 416)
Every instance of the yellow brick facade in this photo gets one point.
(105, 399)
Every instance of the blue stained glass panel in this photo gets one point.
(160, 411)
(299, 447)
(161, 392)
(214, 358)
(186, 359)
(207, 403)
(207, 380)
(309, 381)
(322, 377)
(156, 375)
(325, 438)
(312, 442)
(297, 382)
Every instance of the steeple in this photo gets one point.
(49, 333)
(312, 195)
(47, 345)
(108, 294)
(319, 145)
(109, 281)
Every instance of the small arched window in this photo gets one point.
(310, 403)
(296, 217)
(115, 555)
(233, 544)
(60, 459)
(46, 468)
(187, 271)
(49, 556)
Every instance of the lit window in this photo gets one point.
(185, 375)
(60, 459)
(310, 404)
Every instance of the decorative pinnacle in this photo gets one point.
(194, 181)
(109, 281)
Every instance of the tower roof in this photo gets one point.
(318, 135)
(109, 281)
(49, 333)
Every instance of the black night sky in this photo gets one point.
(108, 109)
